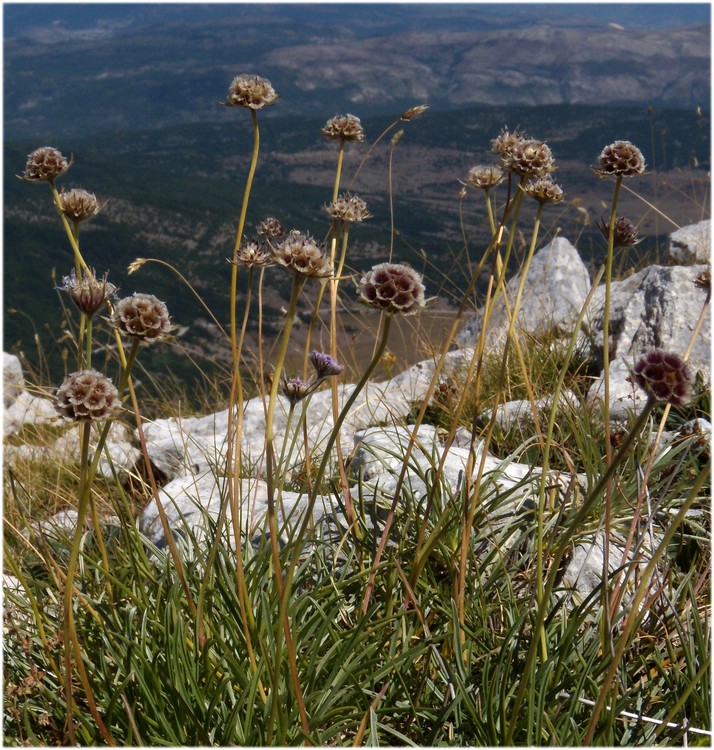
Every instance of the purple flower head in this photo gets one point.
(325, 366)
(294, 389)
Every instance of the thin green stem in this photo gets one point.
(606, 639)
(564, 539)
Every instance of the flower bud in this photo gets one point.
(294, 389)
(86, 396)
(625, 232)
(325, 366)
(88, 293)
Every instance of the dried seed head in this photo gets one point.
(87, 293)
(45, 163)
(703, 280)
(78, 204)
(325, 366)
(393, 287)
(87, 395)
(505, 142)
(141, 316)
(250, 91)
(530, 157)
(251, 254)
(344, 127)
(544, 190)
(295, 389)
(620, 158)
(665, 377)
(625, 234)
(413, 112)
(350, 208)
(484, 176)
(270, 228)
(303, 255)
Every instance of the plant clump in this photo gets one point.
(87, 396)
(142, 316)
(393, 287)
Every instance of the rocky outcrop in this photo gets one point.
(690, 244)
(553, 296)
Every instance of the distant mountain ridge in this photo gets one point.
(70, 75)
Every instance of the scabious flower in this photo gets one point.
(506, 141)
(325, 366)
(252, 254)
(625, 234)
(141, 316)
(344, 127)
(544, 190)
(78, 204)
(270, 228)
(45, 164)
(484, 176)
(252, 92)
(86, 396)
(294, 389)
(88, 293)
(302, 254)
(664, 376)
(393, 287)
(529, 157)
(620, 159)
(349, 208)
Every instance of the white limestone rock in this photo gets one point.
(690, 244)
(13, 381)
(553, 295)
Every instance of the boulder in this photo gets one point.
(690, 244)
(195, 445)
(13, 381)
(27, 409)
(657, 308)
(553, 296)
